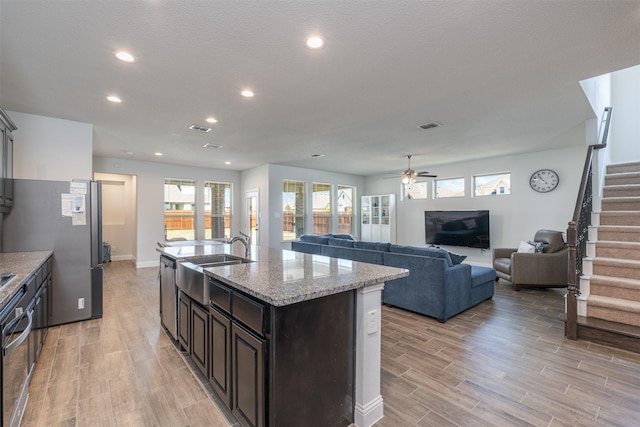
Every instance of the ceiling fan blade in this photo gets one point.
(426, 175)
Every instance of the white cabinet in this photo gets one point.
(378, 218)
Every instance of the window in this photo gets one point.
(345, 198)
(292, 210)
(217, 210)
(452, 187)
(494, 184)
(179, 209)
(321, 208)
(415, 191)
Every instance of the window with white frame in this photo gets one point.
(415, 191)
(217, 210)
(492, 185)
(451, 187)
(179, 209)
(292, 210)
(321, 208)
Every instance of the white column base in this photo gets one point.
(369, 415)
(369, 406)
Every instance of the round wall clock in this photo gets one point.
(544, 180)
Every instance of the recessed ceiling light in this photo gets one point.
(129, 153)
(114, 98)
(314, 42)
(211, 120)
(313, 156)
(125, 56)
(158, 154)
(227, 162)
(247, 93)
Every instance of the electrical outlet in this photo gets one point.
(372, 322)
(80, 303)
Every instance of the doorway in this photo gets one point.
(251, 215)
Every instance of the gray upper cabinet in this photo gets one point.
(6, 161)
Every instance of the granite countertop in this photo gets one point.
(281, 277)
(23, 265)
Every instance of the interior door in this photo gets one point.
(251, 215)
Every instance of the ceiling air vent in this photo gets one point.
(200, 128)
(211, 145)
(430, 125)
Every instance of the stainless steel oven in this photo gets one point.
(16, 321)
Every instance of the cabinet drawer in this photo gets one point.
(249, 312)
(220, 295)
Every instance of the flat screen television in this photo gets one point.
(457, 228)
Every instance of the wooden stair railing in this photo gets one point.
(578, 229)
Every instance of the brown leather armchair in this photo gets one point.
(547, 269)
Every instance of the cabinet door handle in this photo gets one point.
(23, 336)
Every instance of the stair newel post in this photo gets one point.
(571, 326)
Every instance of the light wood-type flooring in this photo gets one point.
(502, 363)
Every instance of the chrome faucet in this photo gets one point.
(246, 241)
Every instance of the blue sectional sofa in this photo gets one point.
(439, 285)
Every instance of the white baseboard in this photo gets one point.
(147, 264)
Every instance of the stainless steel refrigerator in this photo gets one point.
(65, 217)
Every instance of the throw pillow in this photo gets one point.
(538, 246)
(310, 238)
(342, 236)
(457, 259)
(372, 246)
(526, 248)
(341, 242)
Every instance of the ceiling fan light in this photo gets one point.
(405, 179)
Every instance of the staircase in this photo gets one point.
(613, 301)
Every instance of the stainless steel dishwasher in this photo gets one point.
(168, 296)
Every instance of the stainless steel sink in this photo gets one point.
(190, 275)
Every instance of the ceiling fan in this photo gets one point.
(409, 175)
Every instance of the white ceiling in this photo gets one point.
(501, 76)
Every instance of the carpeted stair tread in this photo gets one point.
(621, 204)
(615, 287)
(619, 233)
(617, 249)
(615, 168)
(614, 309)
(620, 218)
(622, 178)
(623, 190)
(614, 267)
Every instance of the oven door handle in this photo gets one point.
(23, 336)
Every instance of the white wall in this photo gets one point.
(150, 198)
(257, 179)
(513, 217)
(51, 149)
(268, 180)
(625, 123)
(118, 214)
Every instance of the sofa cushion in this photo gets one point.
(310, 248)
(341, 242)
(430, 252)
(552, 240)
(481, 275)
(311, 238)
(341, 236)
(372, 246)
(360, 255)
(538, 246)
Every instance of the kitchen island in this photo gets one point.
(288, 338)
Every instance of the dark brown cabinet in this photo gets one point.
(193, 331)
(200, 337)
(184, 328)
(247, 376)
(220, 339)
